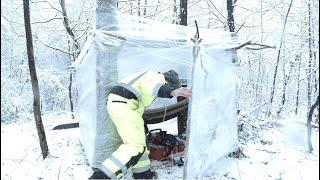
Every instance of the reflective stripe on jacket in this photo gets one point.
(145, 86)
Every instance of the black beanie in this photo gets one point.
(172, 78)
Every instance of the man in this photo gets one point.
(126, 104)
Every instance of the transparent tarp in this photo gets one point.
(135, 44)
(212, 124)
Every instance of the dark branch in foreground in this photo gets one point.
(249, 43)
(150, 116)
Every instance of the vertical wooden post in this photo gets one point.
(182, 116)
(195, 51)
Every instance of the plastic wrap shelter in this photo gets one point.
(135, 44)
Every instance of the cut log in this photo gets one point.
(153, 116)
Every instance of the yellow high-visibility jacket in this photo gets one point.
(151, 84)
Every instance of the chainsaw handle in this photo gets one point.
(160, 130)
(155, 130)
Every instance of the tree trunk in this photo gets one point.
(298, 58)
(314, 47)
(145, 8)
(183, 12)
(309, 89)
(139, 4)
(286, 79)
(34, 81)
(230, 9)
(131, 7)
(309, 123)
(260, 81)
(175, 12)
(68, 28)
(278, 59)
(70, 91)
(230, 15)
(75, 51)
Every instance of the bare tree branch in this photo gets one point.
(218, 18)
(66, 24)
(279, 51)
(217, 9)
(55, 48)
(84, 33)
(41, 22)
(49, 5)
(240, 27)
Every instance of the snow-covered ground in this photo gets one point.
(275, 150)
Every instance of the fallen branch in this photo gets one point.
(249, 43)
(263, 46)
(66, 126)
(272, 152)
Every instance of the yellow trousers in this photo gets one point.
(126, 115)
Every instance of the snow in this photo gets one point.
(273, 152)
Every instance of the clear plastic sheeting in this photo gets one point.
(212, 125)
(135, 44)
(98, 134)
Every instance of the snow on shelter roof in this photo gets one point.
(129, 44)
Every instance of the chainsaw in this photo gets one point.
(164, 147)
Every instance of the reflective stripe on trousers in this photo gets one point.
(126, 115)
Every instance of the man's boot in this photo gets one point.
(98, 174)
(145, 175)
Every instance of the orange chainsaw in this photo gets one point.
(163, 146)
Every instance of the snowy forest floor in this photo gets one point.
(274, 150)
